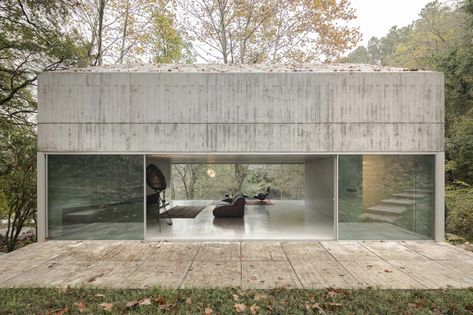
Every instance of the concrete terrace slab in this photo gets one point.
(348, 250)
(248, 264)
(269, 275)
(261, 250)
(169, 274)
(324, 274)
(223, 273)
(390, 250)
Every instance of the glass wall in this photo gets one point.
(95, 197)
(386, 197)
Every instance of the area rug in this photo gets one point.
(183, 212)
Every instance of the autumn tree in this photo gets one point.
(269, 31)
(128, 31)
(32, 39)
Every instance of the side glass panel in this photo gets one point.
(96, 197)
(387, 197)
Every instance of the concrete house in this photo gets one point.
(369, 142)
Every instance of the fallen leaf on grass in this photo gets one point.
(106, 306)
(61, 311)
(99, 295)
(131, 304)
(145, 302)
(80, 306)
(208, 311)
(260, 296)
(165, 307)
(160, 300)
(314, 306)
(189, 301)
(332, 293)
(254, 309)
(239, 308)
(235, 297)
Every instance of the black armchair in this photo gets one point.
(263, 196)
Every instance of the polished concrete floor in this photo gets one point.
(283, 220)
(244, 264)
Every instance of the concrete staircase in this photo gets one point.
(392, 208)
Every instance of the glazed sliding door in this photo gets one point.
(95, 197)
(386, 197)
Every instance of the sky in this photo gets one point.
(376, 17)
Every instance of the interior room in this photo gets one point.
(285, 197)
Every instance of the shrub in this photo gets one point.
(459, 211)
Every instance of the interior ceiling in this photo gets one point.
(186, 158)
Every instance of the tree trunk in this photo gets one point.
(124, 33)
(101, 13)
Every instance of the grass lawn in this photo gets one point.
(228, 301)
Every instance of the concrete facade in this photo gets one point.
(233, 112)
(225, 111)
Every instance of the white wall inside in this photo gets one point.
(319, 183)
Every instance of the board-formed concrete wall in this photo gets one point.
(241, 112)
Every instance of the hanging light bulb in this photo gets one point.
(211, 172)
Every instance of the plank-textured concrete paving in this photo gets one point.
(252, 264)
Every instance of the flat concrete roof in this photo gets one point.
(238, 68)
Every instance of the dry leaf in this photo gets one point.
(131, 304)
(106, 306)
(189, 301)
(315, 306)
(80, 306)
(254, 309)
(160, 300)
(165, 307)
(334, 304)
(260, 296)
(332, 293)
(208, 311)
(235, 297)
(145, 302)
(61, 311)
(239, 308)
(99, 295)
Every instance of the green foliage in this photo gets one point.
(167, 44)
(192, 181)
(441, 40)
(17, 179)
(460, 150)
(459, 211)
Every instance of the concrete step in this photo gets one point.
(398, 201)
(387, 209)
(410, 195)
(370, 217)
(419, 190)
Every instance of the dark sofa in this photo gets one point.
(236, 209)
